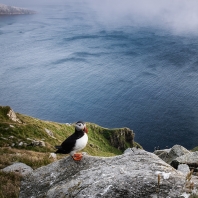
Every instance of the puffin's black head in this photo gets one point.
(81, 126)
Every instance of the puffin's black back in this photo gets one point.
(68, 145)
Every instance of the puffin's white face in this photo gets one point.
(81, 127)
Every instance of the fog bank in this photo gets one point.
(177, 16)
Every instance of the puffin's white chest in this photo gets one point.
(81, 143)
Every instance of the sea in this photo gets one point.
(105, 64)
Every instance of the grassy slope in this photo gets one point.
(14, 133)
(35, 156)
(31, 128)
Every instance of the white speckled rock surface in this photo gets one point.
(133, 174)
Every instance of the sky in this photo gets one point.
(178, 16)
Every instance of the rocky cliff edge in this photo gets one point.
(136, 173)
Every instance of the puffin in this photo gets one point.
(76, 142)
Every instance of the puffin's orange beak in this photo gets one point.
(85, 130)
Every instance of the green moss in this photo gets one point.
(195, 149)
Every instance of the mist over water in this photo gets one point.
(177, 16)
(132, 65)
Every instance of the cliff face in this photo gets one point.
(9, 10)
(120, 138)
(135, 174)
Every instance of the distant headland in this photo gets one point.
(10, 10)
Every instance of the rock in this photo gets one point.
(183, 168)
(11, 114)
(50, 133)
(41, 143)
(159, 152)
(20, 168)
(21, 144)
(8, 10)
(191, 159)
(135, 174)
(119, 138)
(168, 155)
(128, 150)
(53, 155)
(29, 139)
(13, 144)
(4, 138)
(37, 143)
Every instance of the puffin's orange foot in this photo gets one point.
(77, 156)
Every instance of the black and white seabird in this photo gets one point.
(76, 142)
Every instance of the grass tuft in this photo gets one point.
(9, 185)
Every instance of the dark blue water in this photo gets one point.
(64, 65)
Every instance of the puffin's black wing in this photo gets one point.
(67, 146)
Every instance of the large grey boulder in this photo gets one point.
(184, 168)
(18, 167)
(191, 159)
(168, 155)
(135, 174)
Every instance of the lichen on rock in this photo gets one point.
(131, 175)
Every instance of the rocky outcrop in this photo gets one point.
(168, 155)
(180, 158)
(9, 10)
(11, 114)
(50, 133)
(20, 168)
(37, 143)
(191, 159)
(119, 138)
(184, 168)
(135, 174)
